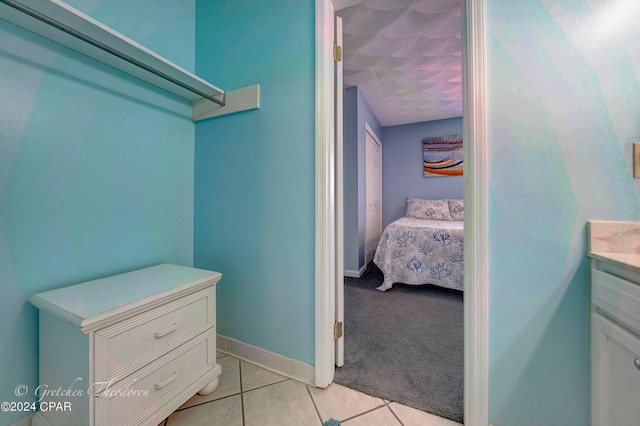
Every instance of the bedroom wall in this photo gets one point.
(356, 113)
(255, 173)
(563, 88)
(402, 174)
(96, 170)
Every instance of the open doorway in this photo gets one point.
(403, 83)
(475, 222)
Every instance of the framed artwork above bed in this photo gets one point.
(442, 156)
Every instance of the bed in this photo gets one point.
(424, 248)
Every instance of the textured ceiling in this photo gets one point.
(405, 56)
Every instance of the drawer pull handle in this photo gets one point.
(159, 334)
(636, 362)
(167, 381)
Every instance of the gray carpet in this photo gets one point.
(404, 345)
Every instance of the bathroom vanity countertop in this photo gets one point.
(628, 260)
(616, 242)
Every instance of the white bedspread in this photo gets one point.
(419, 251)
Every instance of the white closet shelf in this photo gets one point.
(61, 23)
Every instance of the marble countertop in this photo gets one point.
(621, 259)
(617, 242)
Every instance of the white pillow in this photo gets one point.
(428, 209)
(456, 209)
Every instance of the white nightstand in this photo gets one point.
(128, 349)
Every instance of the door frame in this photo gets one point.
(476, 233)
(325, 192)
(476, 383)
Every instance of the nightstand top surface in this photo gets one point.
(97, 300)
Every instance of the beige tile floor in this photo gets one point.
(252, 396)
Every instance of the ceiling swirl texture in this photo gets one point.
(406, 58)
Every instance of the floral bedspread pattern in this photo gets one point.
(418, 251)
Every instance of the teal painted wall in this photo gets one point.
(563, 112)
(96, 172)
(164, 26)
(357, 112)
(82, 197)
(255, 173)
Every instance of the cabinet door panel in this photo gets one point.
(616, 377)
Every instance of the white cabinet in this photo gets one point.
(615, 323)
(128, 349)
(615, 348)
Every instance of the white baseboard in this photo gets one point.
(355, 274)
(25, 421)
(282, 365)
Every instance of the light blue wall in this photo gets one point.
(96, 174)
(402, 174)
(255, 173)
(356, 113)
(563, 89)
(352, 257)
(164, 26)
(82, 197)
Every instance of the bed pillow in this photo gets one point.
(456, 209)
(428, 209)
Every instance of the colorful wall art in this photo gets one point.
(442, 156)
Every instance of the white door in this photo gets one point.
(373, 194)
(329, 303)
(339, 172)
(476, 267)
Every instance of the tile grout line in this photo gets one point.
(394, 413)
(384, 404)
(314, 404)
(222, 397)
(207, 402)
(241, 391)
(364, 412)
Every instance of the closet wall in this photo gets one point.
(255, 173)
(96, 169)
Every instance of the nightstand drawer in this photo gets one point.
(619, 298)
(126, 346)
(155, 385)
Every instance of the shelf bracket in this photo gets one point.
(244, 99)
